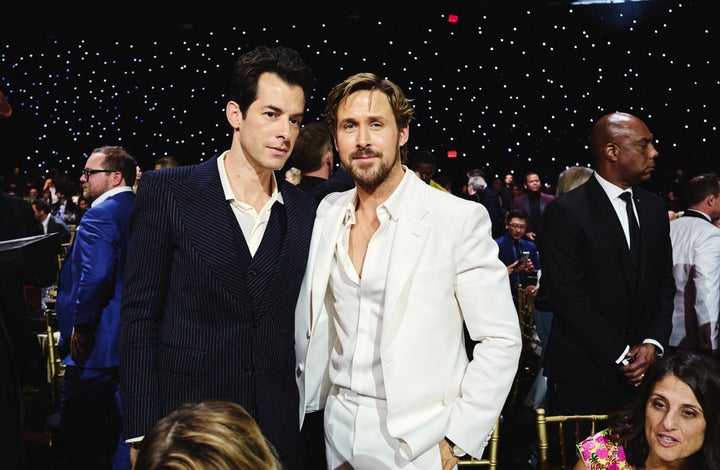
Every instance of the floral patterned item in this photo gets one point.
(601, 452)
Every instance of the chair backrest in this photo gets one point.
(528, 366)
(490, 456)
(55, 368)
(565, 426)
(526, 315)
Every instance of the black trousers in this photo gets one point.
(90, 434)
(313, 436)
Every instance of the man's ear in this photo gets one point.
(118, 179)
(611, 150)
(233, 114)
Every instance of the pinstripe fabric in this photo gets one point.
(201, 318)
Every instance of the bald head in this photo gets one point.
(622, 149)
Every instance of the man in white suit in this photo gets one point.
(395, 269)
(696, 268)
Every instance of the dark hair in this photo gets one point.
(516, 214)
(702, 374)
(286, 63)
(166, 162)
(529, 173)
(42, 205)
(421, 156)
(118, 159)
(702, 186)
(401, 106)
(311, 144)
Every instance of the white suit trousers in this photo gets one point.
(356, 436)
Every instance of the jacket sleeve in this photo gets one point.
(147, 273)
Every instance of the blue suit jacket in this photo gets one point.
(506, 253)
(202, 318)
(91, 279)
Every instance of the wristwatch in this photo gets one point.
(457, 451)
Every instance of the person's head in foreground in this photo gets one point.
(674, 422)
(212, 435)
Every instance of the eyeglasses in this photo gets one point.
(517, 226)
(86, 172)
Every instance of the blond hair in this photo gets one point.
(211, 435)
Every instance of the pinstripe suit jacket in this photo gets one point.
(201, 318)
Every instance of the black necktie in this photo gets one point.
(518, 251)
(634, 229)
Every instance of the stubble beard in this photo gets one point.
(88, 194)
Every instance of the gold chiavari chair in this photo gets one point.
(529, 359)
(491, 454)
(563, 425)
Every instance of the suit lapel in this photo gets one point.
(408, 244)
(324, 239)
(204, 219)
(647, 229)
(606, 212)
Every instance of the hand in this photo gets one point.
(644, 355)
(79, 344)
(530, 236)
(513, 268)
(446, 456)
(528, 267)
(531, 291)
(133, 456)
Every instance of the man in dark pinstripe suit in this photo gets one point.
(217, 256)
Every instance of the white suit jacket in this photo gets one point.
(696, 269)
(443, 270)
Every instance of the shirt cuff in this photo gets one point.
(134, 442)
(622, 356)
(659, 347)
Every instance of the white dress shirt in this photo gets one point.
(355, 362)
(613, 193)
(251, 222)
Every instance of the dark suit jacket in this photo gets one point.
(55, 225)
(202, 319)
(339, 181)
(589, 281)
(91, 280)
(521, 203)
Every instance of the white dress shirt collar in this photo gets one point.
(227, 190)
(110, 193)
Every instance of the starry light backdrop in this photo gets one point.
(509, 86)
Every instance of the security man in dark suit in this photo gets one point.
(610, 288)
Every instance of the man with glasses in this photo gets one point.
(88, 311)
(512, 245)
